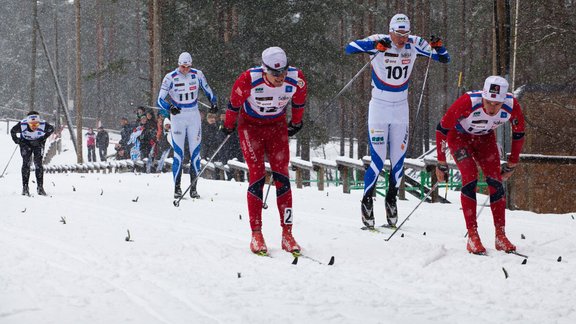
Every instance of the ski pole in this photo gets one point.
(267, 192)
(345, 87)
(421, 96)
(10, 160)
(177, 201)
(158, 108)
(413, 210)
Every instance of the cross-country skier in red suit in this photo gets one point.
(468, 129)
(259, 100)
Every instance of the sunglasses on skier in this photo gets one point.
(276, 72)
(400, 34)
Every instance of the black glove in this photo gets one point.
(383, 44)
(227, 131)
(506, 169)
(174, 110)
(436, 42)
(213, 109)
(443, 168)
(294, 128)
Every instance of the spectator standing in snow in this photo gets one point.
(467, 129)
(134, 142)
(147, 139)
(33, 134)
(125, 131)
(388, 111)
(211, 139)
(259, 100)
(91, 144)
(164, 143)
(102, 141)
(179, 96)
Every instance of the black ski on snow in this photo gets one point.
(379, 229)
(297, 255)
(511, 252)
(518, 254)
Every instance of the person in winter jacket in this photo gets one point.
(164, 144)
(125, 132)
(33, 134)
(91, 145)
(102, 141)
(148, 139)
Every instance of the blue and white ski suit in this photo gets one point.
(181, 91)
(388, 113)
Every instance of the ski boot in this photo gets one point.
(502, 242)
(288, 242)
(194, 194)
(193, 182)
(391, 208)
(391, 212)
(25, 191)
(257, 244)
(367, 211)
(41, 191)
(177, 192)
(474, 244)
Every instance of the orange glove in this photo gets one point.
(436, 42)
(383, 44)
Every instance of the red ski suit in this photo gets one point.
(469, 133)
(260, 109)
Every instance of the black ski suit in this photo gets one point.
(31, 143)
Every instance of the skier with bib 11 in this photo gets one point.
(179, 96)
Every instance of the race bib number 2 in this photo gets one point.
(288, 216)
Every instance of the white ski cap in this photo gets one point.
(399, 22)
(275, 58)
(32, 119)
(495, 88)
(185, 59)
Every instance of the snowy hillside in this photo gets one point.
(192, 264)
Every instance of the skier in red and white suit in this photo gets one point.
(259, 99)
(468, 129)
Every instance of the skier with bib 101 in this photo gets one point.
(388, 113)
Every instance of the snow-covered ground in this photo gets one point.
(192, 264)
